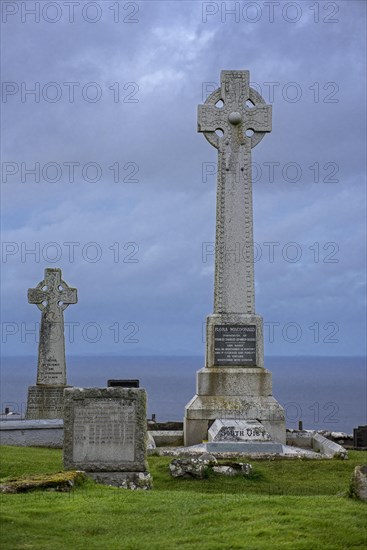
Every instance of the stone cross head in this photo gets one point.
(52, 294)
(235, 109)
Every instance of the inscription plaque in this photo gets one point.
(44, 402)
(235, 345)
(104, 431)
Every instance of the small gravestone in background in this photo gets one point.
(360, 437)
(52, 296)
(234, 383)
(105, 432)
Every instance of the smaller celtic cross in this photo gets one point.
(240, 115)
(52, 296)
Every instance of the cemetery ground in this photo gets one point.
(293, 504)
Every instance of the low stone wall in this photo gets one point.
(167, 437)
(32, 433)
(49, 433)
(300, 438)
(154, 426)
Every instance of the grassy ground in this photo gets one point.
(293, 505)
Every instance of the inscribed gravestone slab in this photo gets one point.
(237, 430)
(105, 429)
(226, 435)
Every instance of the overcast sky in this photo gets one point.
(125, 179)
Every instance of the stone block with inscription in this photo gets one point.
(105, 435)
(234, 383)
(240, 436)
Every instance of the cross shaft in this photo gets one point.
(243, 119)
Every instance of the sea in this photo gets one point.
(325, 393)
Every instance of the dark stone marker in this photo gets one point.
(235, 345)
(360, 437)
(122, 383)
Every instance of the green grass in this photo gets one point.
(291, 505)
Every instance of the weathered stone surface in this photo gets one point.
(358, 487)
(45, 402)
(288, 453)
(52, 296)
(199, 467)
(234, 259)
(150, 441)
(234, 337)
(244, 447)
(231, 381)
(224, 470)
(233, 469)
(207, 457)
(124, 480)
(191, 467)
(61, 481)
(105, 429)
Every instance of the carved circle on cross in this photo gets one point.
(50, 293)
(234, 119)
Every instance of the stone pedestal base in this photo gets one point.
(123, 480)
(45, 402)
(234, 383)
(243, 447)
(233, 393)
(201, 411)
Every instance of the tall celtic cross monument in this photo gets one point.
(234, 383)
(52, 296)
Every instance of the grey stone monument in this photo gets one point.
(105, 431)
(234, 383)
(52, 296)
